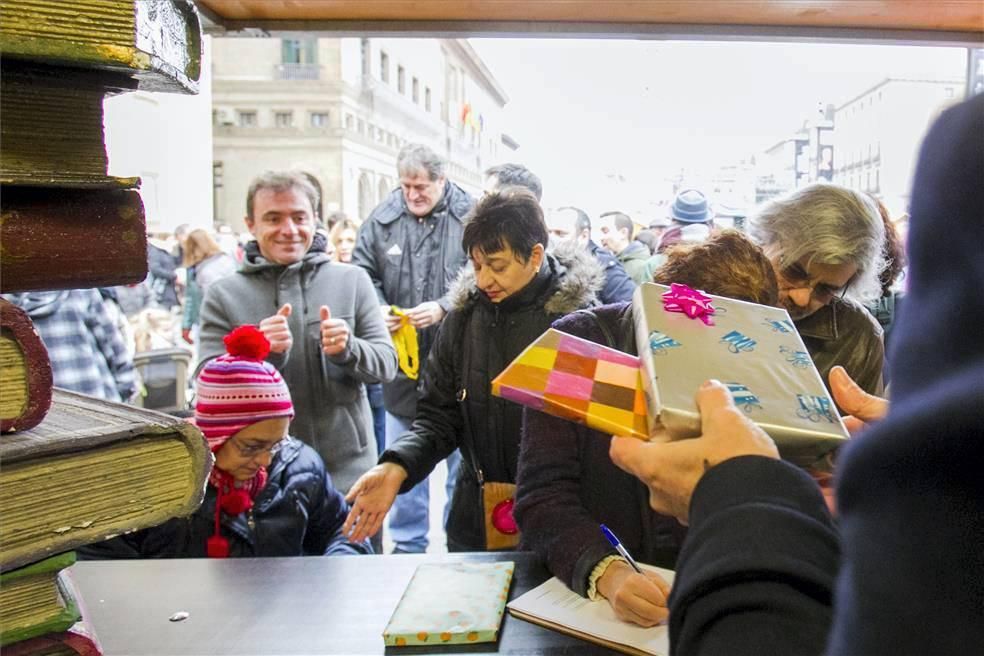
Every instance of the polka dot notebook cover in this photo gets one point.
(451, 603)
(579, 380)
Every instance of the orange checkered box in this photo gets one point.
(579, 380)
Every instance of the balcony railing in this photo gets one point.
(297, 72)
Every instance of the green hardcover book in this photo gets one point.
(91, 470)
(158, 43)
(52, 128)
(33, 600)
(451, 603)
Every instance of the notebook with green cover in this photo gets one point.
(451, 603)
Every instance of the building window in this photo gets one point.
(427, 98)
(415, 89)
(401, 79)
(948, 92)
(319, 119)
(365, 196)
(384, 67)
(247, 119)
(349, 122)
(366, 58)
(362, 127)
(283, 119)
(298, 51)
(877, 180)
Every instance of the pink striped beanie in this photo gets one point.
(239, 388)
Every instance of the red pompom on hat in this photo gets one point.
(247, 342)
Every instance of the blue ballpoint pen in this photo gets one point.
(619, 548)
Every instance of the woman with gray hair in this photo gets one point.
(825, 243)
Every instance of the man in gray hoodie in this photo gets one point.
(327, 337)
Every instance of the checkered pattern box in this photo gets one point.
(580, 380)
(756, 351)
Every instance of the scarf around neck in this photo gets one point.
(234, 498)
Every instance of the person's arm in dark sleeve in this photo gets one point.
(364, 257)
(324, 531)
(618, 285)
(756, 572)
(436, 429)
(554, 522)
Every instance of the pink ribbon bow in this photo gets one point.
(691, 302)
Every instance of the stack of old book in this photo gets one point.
(75, 470)
(92, 469)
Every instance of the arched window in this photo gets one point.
(365, 196)
(384, 189)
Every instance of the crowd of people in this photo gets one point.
(339, 365)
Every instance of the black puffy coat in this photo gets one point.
(476, 341)
(298, 513)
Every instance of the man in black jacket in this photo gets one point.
(410, 246)
(571, 224)
(759, 569)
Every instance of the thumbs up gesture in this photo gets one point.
(277, 330)
(334, 333)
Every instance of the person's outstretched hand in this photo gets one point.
(860, 406)
(637, 598)
(671, 470)
(371, 497)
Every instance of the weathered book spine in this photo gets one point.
(52, 128)
(158, 44)
(71, 239)
(25, 371)
(94, 469)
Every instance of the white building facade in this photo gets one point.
(166, 139)
(340, 109)
(877, 135)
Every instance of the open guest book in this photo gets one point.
(555, 606)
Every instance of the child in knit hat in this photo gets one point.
(268, 494)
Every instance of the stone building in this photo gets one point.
(341, 108)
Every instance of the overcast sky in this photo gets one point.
(586, 111)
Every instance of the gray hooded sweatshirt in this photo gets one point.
(331, 409)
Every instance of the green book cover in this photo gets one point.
(36, 599)
(451, 603)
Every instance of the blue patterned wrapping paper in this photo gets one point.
(756, 351)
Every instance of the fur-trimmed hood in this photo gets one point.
(578, 272)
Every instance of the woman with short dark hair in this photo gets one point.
(509, 296)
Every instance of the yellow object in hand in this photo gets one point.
(405, 341)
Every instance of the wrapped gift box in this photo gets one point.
(579, 380)
(451, 603)
(754, 349)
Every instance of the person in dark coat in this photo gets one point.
(162, 276)
(572, 225)
(764, 569)
(508, 299)
(409, 247)
(567, 484)
(268, 494)
(826, 243)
